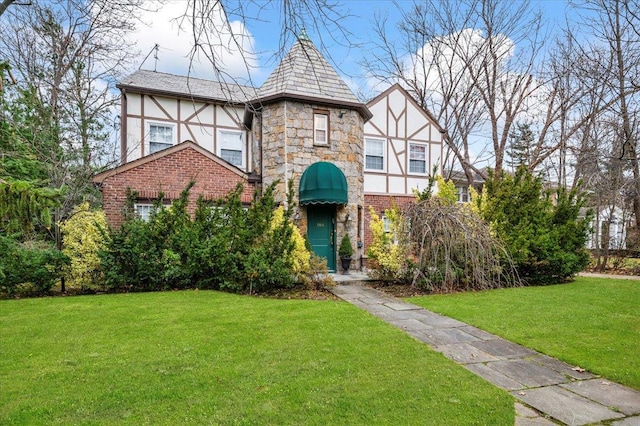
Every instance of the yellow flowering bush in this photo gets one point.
(447, 192)
(389, 250)
(82, 240)
(300, 255)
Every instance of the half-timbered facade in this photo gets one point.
(304, 124)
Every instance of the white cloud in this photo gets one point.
(170, 26)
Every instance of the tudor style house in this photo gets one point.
(303, 123)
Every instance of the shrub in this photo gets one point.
(454, 249)
(346, 248)
(270, 264)
(390, 251)
(224, 247)
(546, 240)
(149, 256)
(83, 237)
(29, 268)
(300, 255)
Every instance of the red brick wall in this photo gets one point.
(171, 174)
(380, 203)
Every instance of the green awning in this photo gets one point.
(323, 183)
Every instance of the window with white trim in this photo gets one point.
(231, 147)
(143, 211)
(374, 154)
(387, 224)
(463, 194)
(320, 128)
(417, 158)
(160, 137)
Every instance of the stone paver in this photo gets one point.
(628, 421)
(559, 390)
(610, 394)
(503, 348)
(402, 306)
(525, 416)
(568, 407)
(563, 367)
(464, 353)
(528, 373)
(494, 376)
(446, 336)
(535, 421)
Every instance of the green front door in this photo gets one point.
(320, 230)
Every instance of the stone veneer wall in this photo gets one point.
(171, 174)
(292, 122)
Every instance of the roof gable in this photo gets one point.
(399, 88)
(100, 177)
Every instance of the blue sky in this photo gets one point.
(265, 35)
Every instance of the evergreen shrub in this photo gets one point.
(541, 229)
(30, 268)
(226, 246)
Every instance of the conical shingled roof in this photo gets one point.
(305, 73)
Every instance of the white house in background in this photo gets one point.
(608, 229)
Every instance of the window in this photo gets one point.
(417, 158)
(143, 211)
(320, 129)
(387, 224)
(374, 154)
(160, 137)
(463, 194)
(231, 147)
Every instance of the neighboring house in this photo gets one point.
(303, 123)
(461, 182)
(608, 228)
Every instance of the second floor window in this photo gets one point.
(160, 137)
(231, 147)
(320, 129)
(417, 159)
(374, 154)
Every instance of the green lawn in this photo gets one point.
(199, 357)
(592, 323)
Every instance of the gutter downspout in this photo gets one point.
(123, 126)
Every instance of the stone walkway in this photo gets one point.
(557, 391)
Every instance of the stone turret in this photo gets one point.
(308, 114)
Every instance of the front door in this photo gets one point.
(321, 232)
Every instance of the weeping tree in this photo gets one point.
(455, 249)
(439, 245)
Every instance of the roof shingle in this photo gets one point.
(181, 85)
(305, 72)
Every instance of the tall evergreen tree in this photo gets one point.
(520, 145)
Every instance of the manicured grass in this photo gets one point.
(593, 323)
(199, 357)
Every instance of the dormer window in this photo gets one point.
(321, 127)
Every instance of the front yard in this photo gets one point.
(593, 323)
(203, 357)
